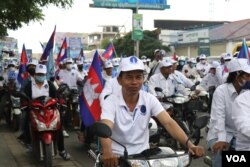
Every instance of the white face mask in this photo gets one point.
(68, 66)
(203, 61)
(12, 68)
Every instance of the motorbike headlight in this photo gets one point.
(184, 160)
(138, 163)
(166, 162)
(179, 100)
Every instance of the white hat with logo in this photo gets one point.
(131, 63)
(227, 56)
(214, 64)
(33, 62)
(108, 64)
(203, 56)
(40, 68)
(165, 63)
(69, 60)
(239, 65)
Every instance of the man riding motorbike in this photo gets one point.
(130, 113)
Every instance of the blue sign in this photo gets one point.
(128, 4)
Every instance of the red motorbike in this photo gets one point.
(44, 127)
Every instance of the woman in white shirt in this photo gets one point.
(222, 131)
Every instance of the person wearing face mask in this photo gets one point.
(69, 76)
(107, 70)
(154, 65)
(81, 74)
(224, 66)
(11, 68)
(181, 63)
(222, 131)
(211, 81)
(189, 69)
(37, 88)
(30, 68)
(202, 67)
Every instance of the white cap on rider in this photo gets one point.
(40, 68)
(108, 64)
(239, 65)
(33, 62)
(214, 64)
(203, 56)
(165, 63)
(69, 60)
(131, 63)
(227, 56)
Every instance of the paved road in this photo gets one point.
(14, 154)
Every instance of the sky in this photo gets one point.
(82, 18)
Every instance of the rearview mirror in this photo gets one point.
(101, 130)
(157, 89)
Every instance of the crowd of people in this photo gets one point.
(128, 99)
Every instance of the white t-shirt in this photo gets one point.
(37, 92)
(241, 118)
(69, 77)
(130, 128)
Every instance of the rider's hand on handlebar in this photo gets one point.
(197, 151)
(109, 159)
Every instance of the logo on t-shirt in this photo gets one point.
(143, 110)
(46, 86)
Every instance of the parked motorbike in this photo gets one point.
(180, 110)
(44, 126)
(157, 156)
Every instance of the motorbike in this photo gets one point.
(44, 126)
(183, 112)
(155, 156)
(72, 116)
(11, 110)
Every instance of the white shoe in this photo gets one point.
(65, 134)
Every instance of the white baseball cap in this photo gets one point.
(239, 65)
(40, 68)
(227, 56)
(33, 62)
(131, 63)
(214, 64)
(165, 63)
(203, 56)
(69, 60)
(156, 50)
(108, 64)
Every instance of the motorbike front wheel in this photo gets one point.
(16, 122)
(47, 155)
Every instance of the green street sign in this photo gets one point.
(137, 33)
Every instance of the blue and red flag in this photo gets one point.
(62, 53)
(244, 51)
(49, 47)
(109, 52)
(22, 73)
(90, 108)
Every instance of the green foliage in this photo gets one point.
(105, 42)
(15, 13)
(150, 42)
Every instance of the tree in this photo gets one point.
(150, 42)
(15, 13)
